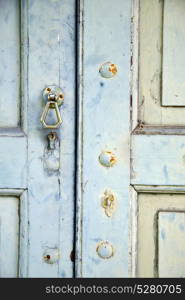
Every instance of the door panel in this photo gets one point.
(10, 63)
(171, 226)
(9, 236)
(160, 161)
(13, 161)
(173, 53)
(161, 234)
(13, 152)
(150, 60)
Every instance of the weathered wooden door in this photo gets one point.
(36, 173)
(132, 201)
(158, 148)
(108, 184)
(83, 47)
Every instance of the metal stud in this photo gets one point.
(105, 250)
(107, 159)
(108, 70)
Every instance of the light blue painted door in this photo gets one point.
(69, 186)
(37, 49)
(102, 246)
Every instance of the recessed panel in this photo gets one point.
(161, 229)
(9, 63)
(9, 236)
(171, 244)
(173, 85)
(158, 79)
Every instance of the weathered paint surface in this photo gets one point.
(45, 41)
(171, 244)
(13, 150)
(51, 193)
(37, 175)
(104, 113)
(173, 53)
(151, 54)
(157, 151)
(160, 162)
(158, 257)
(9, 236)
(10, 63)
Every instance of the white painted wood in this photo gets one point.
(13, 163)
(149, 205)
(106, 114)
(158, 160)
(19, 239)
(135, 64)
(10, 63)
(133, 231)
(157, 152)
(171, 244)
(23, 236)
(79, 178)
(13, 152)
(136, 195)
(165, 189)
(50, 192)
(9, 236)
(150, 43)
(43, 55)
(173, 85)
(151, 111)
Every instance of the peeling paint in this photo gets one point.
(109, 202)
(51, 157)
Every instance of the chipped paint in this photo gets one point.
(109, 202)
(51, 157)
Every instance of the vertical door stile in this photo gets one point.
(103, 150)
(13, 141)
(79, 158)
(51, 173)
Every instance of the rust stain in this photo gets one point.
(109, 202)
(107, 159)
(113, 69)
(108, 70)
(140, 124)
